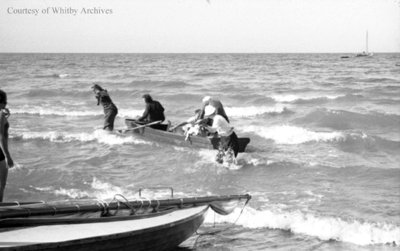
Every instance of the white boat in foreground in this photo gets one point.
(122, 225)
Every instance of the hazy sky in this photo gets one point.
(201, 26)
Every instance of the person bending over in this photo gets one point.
(228, 139)
(110, 109)
(219, 108)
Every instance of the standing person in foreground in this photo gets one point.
(5, 157)
(207, 100)
(154, 111)
(110, 110)
(229, 144)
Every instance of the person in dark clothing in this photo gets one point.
(154, 111)
(110, 109)
(5, 158)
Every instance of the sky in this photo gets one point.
(200, 26)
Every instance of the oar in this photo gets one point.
(50, 210)
(142, 126)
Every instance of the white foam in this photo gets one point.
(293, 97)
(291, 135)
(98, 189)
(101, 136)
(324, 228)
(250, 111)
(70, 112)
(43, 111)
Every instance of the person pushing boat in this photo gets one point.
(110, 109)
(229, 143)
(219, 108)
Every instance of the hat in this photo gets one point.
(206, 99)
(209, 110)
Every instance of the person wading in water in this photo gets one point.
(110, 109)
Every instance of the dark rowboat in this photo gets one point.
(159, 133)
(155, 224)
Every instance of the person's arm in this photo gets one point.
(214, 127)
(201, 113)
(97, 96)
(145, 113)
(3, 140)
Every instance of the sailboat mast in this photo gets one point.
(366, 42)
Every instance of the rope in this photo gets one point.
(116, 210)
(157, 207)
(126, 203)
(55, 210)
(149, 203)
(245, 204)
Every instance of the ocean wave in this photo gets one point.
(42, 111)
(323, 227)
(207, 74)
(96, 189)
(290, 98)
(250, 111)
(54, 75)
(378, 80)
(100, 136)
(155, 83)
(341, 120)
(359, 142)
(292, 135)
(54, 111)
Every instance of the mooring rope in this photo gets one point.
(126, 203)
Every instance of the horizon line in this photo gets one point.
(194, 52)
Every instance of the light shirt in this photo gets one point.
(221, 126)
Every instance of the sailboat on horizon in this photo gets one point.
(365, 53)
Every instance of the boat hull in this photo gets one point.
(155, 233)
(178, 139)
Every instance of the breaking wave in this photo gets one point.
(54, 75)
(54, 111)
(322, 227)
(292, 135)
(250, 111)
(341, 120)
(100, 136)
(288, 98)
(95, 189)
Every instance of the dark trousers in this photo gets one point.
(109, 117)
(230, 142)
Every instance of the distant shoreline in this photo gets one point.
(199, 53)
